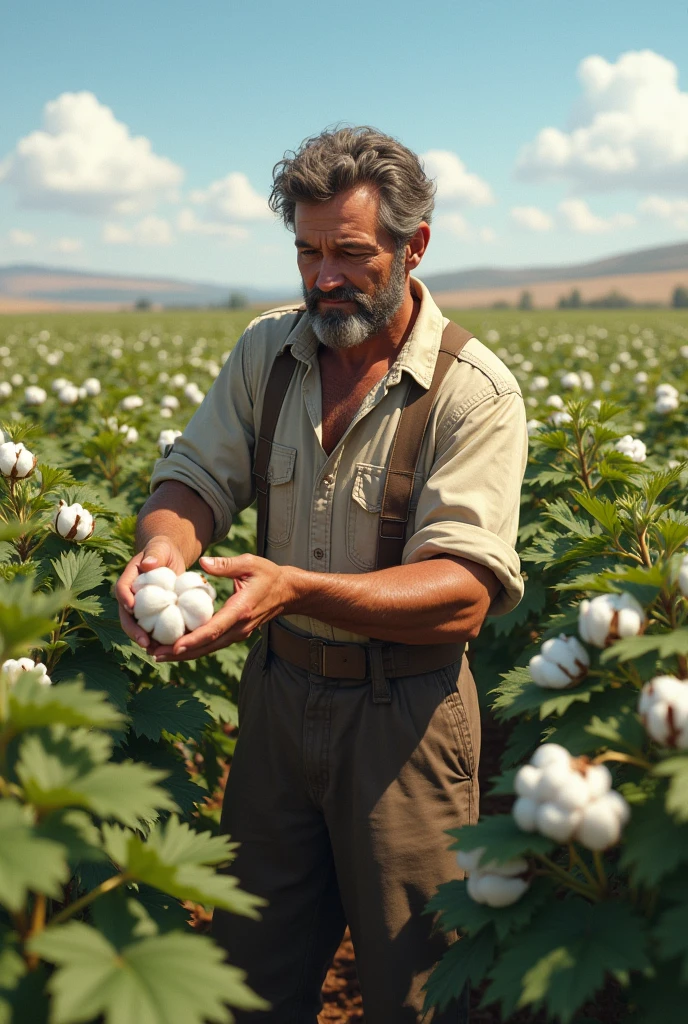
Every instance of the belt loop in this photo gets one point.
(381, 691)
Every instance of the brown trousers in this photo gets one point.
(339, 806)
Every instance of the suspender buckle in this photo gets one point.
(393, 528)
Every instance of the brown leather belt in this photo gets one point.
(353, 661)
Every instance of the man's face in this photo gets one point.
(353, 275)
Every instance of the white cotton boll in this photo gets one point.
(633, 447)
(192, 580)
(571, 380)
(17, 380)
(167, 437)
(610, 617)
(640, 378)
(562, 662)
(149, 602)
(468, 860)
(599, 826)
(196, 607)
(554, 779)
(557, 823)
(666, 391)
(598, 779)
(131, 402)
(555, 402)
(533, 426)
(92, 387)
(474, 887)
(587, 380)
(169, 402)
(73, 522)
(13, 668)
(496, 890)
(163, 576)
(683, 577)
(169, 626)
(178, 380)
(550, 753)
(83, 393)
(663, 707)
(130, 434)
(559, 418)
(506, 868)
(34, 395)
(574, 794)
(526, 780)
(69, 394)
(5, 389)
(16, 461)
(166, 414)
(619, 805)
(539, 383)
(525, 813)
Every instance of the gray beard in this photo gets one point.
(339, 330)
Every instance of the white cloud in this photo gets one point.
(630, 129)
(231, 199)
(454, 182)
(22, 239)
(67, 245)
(456, 224)
(578, 216)
(188, 222)
(149, 231)
(532, 218)
(674, 210)
(84, 160)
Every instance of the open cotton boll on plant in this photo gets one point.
(166, 605)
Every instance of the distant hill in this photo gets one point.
(40, 287)
(643, 261)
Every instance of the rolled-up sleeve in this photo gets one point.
(214, 454)
(469, 504)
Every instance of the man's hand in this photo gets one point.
(260, 593)
(159, 551)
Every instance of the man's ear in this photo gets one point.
(416, 246)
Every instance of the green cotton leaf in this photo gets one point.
(562, 961)
(467, 961)
(121, 919)
(26, 616)
(573, 729)
(524, 737)
(28, 862)
(458, 910)
(672, 532)
(96, 673)
(168, 709)
(671, 935)
(75, 831)
(533, 698)
(178, 782)
(501, 837)
(533, 602)
(676, 769)
(33, 704)
(561, 512)
(658, 997)
(656, 483)
(632, 647)
(624, 730)
(79, 571)
(180, 862)
(161, 979)
(109, 631)
(602, 510)
(654, 845)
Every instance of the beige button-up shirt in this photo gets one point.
(324, 509)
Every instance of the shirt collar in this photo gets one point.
(418, 355)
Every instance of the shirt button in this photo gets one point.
(318, 553)
(328, 479)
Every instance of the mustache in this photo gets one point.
(344, 294)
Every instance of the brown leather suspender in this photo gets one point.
(406, 448)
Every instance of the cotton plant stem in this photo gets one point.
(107, 886)
(591, 893)
(617, 755)
(599, 867)
(576, 859)
(644, 551)
(37, 925)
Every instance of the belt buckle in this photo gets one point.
(316, 649)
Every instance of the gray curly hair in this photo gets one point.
(341, 158)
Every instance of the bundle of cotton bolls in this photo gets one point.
(58, 384)
(663, 707)
(566, 798)
(13, 668)
(633, 447)
(561, 662)
(497, 885)
(167, 437)
(16, 461)
(73, 522)
(666, 398)
(610, 617)
(167, 605)
(33, 395)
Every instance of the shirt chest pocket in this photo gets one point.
(363, 515)
(281, 503)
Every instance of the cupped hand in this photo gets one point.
(159, 551)
(261, 591)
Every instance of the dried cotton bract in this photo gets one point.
(561, 662)
(73, 522)
(166, 606)
(610, 617)
(663, 707)
(496, 885)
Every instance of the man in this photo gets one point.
(359, 728)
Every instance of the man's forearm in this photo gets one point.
(437, 601)
(178, 513)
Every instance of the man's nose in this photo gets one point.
(329, 276)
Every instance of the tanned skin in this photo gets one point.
(441, 600)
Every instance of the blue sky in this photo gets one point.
(140, 137)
